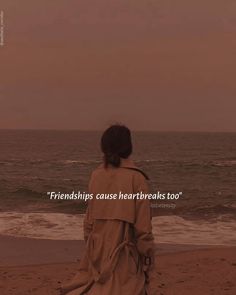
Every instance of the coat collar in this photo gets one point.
(129, 164)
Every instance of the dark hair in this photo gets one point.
(116, 144)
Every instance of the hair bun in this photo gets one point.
(113, 159)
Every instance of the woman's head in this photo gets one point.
(116, 144)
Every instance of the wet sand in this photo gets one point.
(30, 266)
(27, 251)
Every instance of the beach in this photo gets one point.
(33, 266)
(41, 239)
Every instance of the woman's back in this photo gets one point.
(117, 225)
(114, 191)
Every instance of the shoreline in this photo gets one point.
(14, 250)
(166, 229)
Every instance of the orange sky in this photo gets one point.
(154, 65)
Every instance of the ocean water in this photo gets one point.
(202, 166)
(166, 229)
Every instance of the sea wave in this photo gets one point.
(225, 163)
(166, 229)
(189, 164)
(26, 192)
(79, 162)
(216, 210)
(141, 162)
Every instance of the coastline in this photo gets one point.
(14, 251)
(169, 229)
(38, 267)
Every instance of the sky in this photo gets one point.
(162, 65)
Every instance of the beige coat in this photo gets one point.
(118, 236)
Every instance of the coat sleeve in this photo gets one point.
(143, 225)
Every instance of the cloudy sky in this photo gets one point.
(153, 64)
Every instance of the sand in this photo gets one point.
(179, 270)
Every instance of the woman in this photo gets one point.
(117, 232)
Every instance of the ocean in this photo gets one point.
(200, 166)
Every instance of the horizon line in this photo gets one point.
(100, 130)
